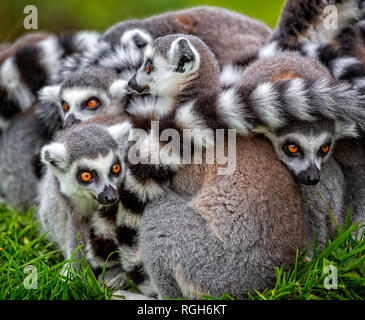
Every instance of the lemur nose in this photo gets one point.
(132, 83)
(109, 196)
(70, 121)
(310, 176)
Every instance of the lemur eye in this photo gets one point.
(292, 148)
(65, 107)
(93, 103)
(148, 66)
(116, 168)
(325, 148)
(86, 176)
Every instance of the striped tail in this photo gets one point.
(273, 105)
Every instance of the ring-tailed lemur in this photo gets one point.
(32, 67)
(237, 40)
(183, 73)
(342, 51)
(86, 94)
(79, 194)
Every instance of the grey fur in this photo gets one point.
(237, 39)
(20, 145)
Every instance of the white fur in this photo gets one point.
(230, 75)
(265, 99)
(339, 65)
(296, 97)
(50, 94)
(11, 80)
(119, 89)
(232, 111)
(269, 50)
(148, 191)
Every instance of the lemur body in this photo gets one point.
(237, 40)
(78, 194)
(183, 74)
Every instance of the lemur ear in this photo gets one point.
(119, 89)
(182, 53)
(345, 129)
(50, 94)
(55, 155)
(120, 132)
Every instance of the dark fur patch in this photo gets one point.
(131, 201)
(109, 213)
(37, 166)
(126, 236)
(137, 274)
(327, 54)
(244, 99)
(32, 72)
(8, 108)
(296, 19)
(66, 41)
(103, 247)
(346, 40)
(353, 71)
(144, 172)
(206, 108)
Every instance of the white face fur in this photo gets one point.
(303, 154)
(164, 76)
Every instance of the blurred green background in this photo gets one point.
(67, 15)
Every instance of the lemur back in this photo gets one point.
(237, 39)
(213, 234)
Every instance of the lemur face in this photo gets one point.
(89, 169)
(87, 94)
(303, 147)
(81, 104)
(169, 64)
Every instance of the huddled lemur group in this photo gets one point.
(71, 106)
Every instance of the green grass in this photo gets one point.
(57, 16)
(21, 246)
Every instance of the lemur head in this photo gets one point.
(86, 94)
(304, 146)
(87, 162)
(174, 64)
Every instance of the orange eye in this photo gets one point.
(293, 148)
(325, 148)
(116, 168)
(92, 103)
(86, 176)
(65, 106)
(148, 68)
